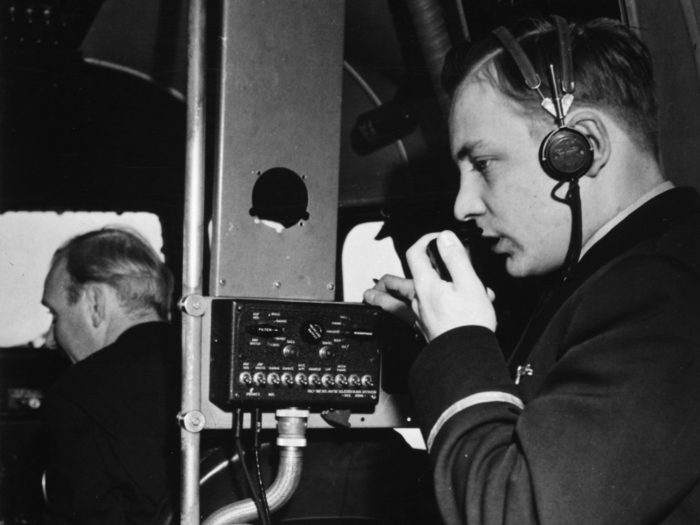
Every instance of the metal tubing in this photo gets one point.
(281, 491)
(429, 23)
(192, 258)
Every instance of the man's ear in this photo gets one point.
(593, 127)
(97, 303)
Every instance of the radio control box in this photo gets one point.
(282, 353)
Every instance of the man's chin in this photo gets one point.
(517, 267)
(516, 272)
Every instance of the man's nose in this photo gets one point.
(469, 203)
(51, 338)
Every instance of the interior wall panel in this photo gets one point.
(664, 28)
(280, 108)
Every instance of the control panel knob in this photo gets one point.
(328, 381)
(301, 380)
(246, 379)
(326, 352)
(354, 380)
(259, 379)
(290, 351)
(312, 332)
(367, 381)
(314, 380)
(341, 380)
(273, 379)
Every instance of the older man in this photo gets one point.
(110, 421)
(596, 419)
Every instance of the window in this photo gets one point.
(27, 242)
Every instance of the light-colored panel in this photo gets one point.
(280, 107)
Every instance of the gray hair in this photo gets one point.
(124, 260)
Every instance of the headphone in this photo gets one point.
(565, 154)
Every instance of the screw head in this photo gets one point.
(277, 284)
(331, 286)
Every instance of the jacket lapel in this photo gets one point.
(646, 222)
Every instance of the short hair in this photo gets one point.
(612, 70)
(124, 260)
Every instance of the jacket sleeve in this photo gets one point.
(78, 486)
(608, 437)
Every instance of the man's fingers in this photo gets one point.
(456, 258)
(399, 308)
(418, 260)
(393, 295)
(397, 286)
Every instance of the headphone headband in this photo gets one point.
(532, 79)
(565, 154)
(527, 70)
(567, 70)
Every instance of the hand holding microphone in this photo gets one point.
(467, 237)
(442, 305)
(435, 303)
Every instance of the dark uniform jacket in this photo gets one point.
(604, 425)
(112, 430)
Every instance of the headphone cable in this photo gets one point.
(573, 199)
(249, 480)
(256, 454)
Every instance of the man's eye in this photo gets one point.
(481, 165)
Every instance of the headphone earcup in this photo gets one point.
(566, 154)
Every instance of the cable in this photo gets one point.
(462, 20)
(691, 22)
(258, 473)
(573, 199)
(238, 422)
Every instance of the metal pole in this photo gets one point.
(192, 264)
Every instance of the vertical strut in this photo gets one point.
(192, 262)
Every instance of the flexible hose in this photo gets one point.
(278, 494)
(429, 23)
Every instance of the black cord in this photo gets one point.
(574, 252)
(256, 454)
(573, 199)
(238, 425)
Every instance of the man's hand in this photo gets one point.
(394, 295)
(436, 306)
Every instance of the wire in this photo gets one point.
(462, 20)
(691, 22)
(573, 199)
(238, 424)
(258, 473)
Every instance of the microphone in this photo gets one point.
(467, 236)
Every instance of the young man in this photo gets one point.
(596, 419)
(110, 421)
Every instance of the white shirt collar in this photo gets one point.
(617, 219)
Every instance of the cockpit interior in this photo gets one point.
(280, 156)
